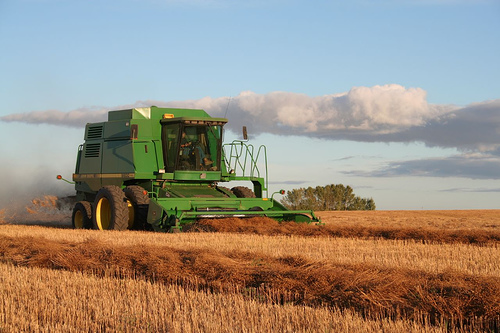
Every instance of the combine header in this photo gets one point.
(159, 168)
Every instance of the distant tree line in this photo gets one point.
(329, 197)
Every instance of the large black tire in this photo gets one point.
(82, 215)
(138, 205)
(242, 192)
(110, 209)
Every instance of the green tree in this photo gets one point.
(329, 197)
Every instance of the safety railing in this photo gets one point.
(244, 159)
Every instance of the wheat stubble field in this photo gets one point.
(371, 271)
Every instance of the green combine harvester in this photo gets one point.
(159, 168)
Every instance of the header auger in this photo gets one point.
(159, 168)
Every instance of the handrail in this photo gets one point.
(242, 157)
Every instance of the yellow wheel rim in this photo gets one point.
(103, 214)
(131, 214)
(78, 220)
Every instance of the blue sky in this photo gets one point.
(398, 98)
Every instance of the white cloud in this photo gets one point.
(379, 109)
(384, 113)
(74, 118)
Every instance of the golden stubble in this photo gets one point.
(430, 258)
(472, 268)
(42, 300)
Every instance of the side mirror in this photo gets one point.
(245, 135)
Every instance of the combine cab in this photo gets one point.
(159, 168)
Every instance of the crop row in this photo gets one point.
(386, 292)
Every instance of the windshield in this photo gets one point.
(191, 147)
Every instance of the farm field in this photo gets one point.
(368, 271)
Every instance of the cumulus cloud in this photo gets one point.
(384, 113)
(379, 108)
(74, 118)
(475, 127)
(369, 110)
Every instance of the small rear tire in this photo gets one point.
(82, 215)
(110, 209)
(138, 205)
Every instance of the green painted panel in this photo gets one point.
(117, 157)
(157, 113)
(145, 158)
(144, 128)
(117, 130)
(90, 161)
(197, 175)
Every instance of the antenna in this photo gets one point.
(227, 106)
